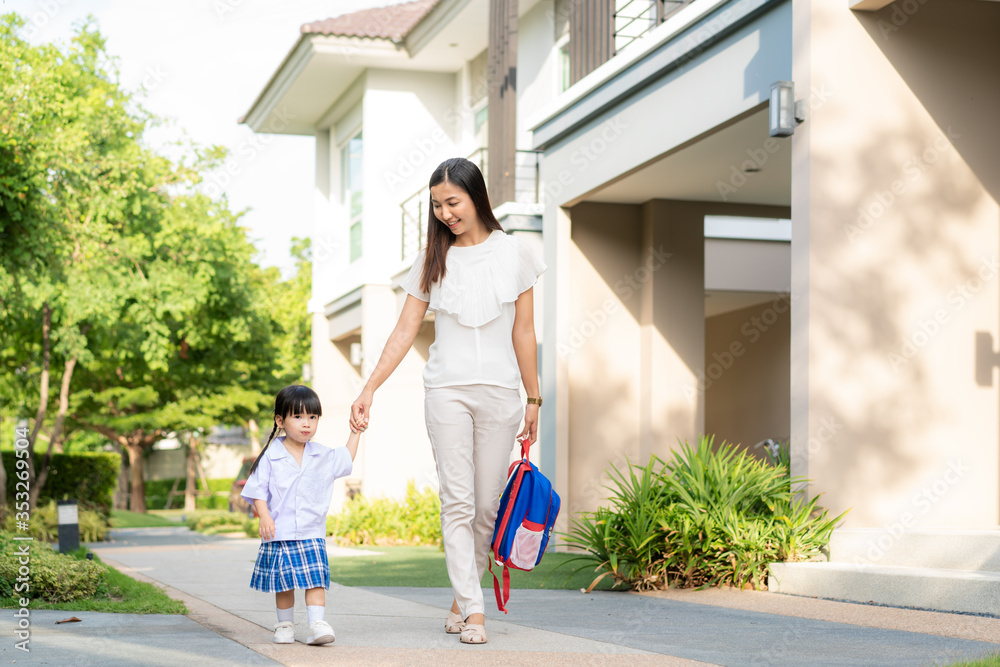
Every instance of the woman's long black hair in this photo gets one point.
(463, 174)
(295, 399)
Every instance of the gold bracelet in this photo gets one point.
(534, 401)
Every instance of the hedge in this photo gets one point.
(89, 477)
(52, 577)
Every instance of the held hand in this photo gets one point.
(266, 529)
(529, 434)
(361, 410)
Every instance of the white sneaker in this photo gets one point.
(284, 633)
(320, 632)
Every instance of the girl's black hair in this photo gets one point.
(465, 175)
(294, 399)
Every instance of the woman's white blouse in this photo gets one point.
(474, 311)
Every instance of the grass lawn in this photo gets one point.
(991, 660)
(118, 594)
(126, 519)
(423, 567)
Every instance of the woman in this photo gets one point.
(478, 281)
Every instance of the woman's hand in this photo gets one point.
(529, 434)
(361, 410)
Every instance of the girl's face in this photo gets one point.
(454, 208)
(299, 427)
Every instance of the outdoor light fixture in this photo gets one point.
(69, 525)
(785, 112)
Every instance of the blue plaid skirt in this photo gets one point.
(282, 566)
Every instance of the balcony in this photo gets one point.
(415, 208)
(634, 18)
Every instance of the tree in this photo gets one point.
(115, 268)
(69, 177)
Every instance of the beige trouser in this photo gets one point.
(472, 429)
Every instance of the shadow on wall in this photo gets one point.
(956, 80)
(886, 259)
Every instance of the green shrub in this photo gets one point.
(157, 491)
(52, 577)
(88, 477)
(211, 523)
(43, 524)
(416, 520)
(707, 517)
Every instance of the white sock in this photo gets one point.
(286, 614)
(315, 612)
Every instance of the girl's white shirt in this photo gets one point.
(298, 497)
(474, 311)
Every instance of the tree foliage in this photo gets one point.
(116, 270)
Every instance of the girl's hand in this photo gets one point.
(361, 410)
(529, 434)
(266, 528)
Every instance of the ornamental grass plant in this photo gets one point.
(709, 516)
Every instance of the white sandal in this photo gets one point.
(474, 633)
(454, 624)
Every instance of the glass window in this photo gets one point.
(352, 189)
(562, 63)
(355, 241)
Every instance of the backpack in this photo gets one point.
(528, 509)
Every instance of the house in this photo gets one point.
(761, 218)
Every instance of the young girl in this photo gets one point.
(291, 484)
(479, 282)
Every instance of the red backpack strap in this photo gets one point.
(504, 596)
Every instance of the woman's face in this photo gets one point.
(454, 208)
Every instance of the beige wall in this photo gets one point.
(337, 382)
(894, 251)
(601, 350)
(635, 340)
(747, 374)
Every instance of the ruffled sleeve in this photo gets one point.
(529, 265)
(476, 287)
(411, 283)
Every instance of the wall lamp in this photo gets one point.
(785, 112)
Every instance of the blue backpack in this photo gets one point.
(528, 509)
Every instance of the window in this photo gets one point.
(351, 182)
(562, 64)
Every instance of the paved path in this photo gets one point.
(230, 624)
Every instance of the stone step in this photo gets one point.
(923, 588)
(899, 546)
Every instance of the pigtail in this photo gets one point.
(259, 456)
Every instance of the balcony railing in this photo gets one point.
(415, 208)
(634, 18)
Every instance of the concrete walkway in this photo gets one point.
(230, 624)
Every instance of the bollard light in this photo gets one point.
(69, 526)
